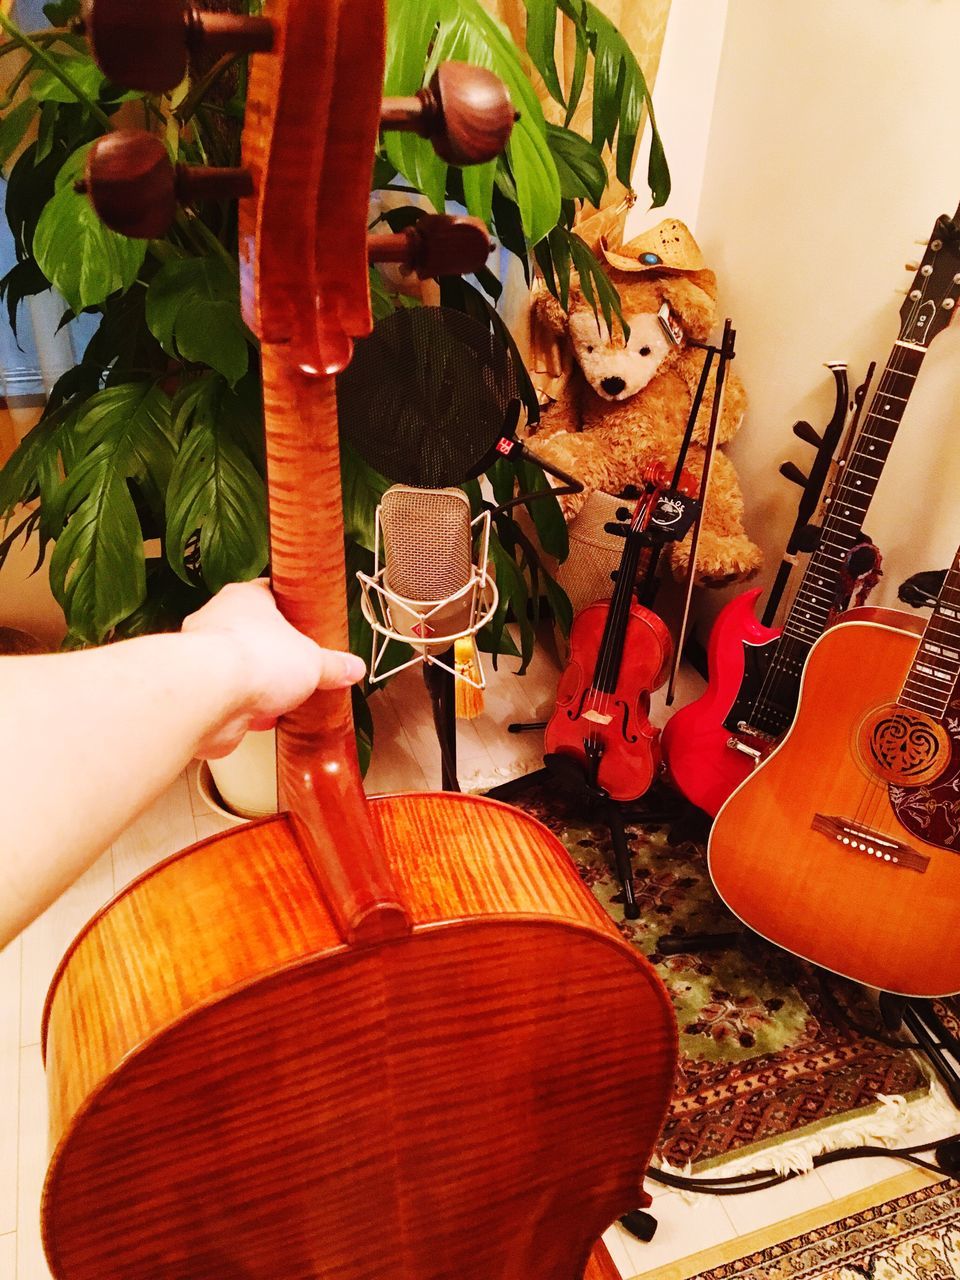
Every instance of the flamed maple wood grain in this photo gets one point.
(427, 1094)
(872, 921)
(349, 1041)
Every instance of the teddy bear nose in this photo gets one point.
(613, 386)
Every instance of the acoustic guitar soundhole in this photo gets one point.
(903, 747)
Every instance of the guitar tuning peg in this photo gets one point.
(911, 266)
(805, 432)
(147, 45)
(465, 112)
(435, 245)
(135, 188)
(790, 471)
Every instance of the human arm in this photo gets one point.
(93, 737)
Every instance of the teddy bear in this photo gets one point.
(626, 404)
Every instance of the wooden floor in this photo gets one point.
(406, 758)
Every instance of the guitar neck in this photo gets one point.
(932, 679)
(822, 587)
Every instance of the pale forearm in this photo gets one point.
(90, 740)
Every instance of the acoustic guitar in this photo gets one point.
(355, 1039)
(713, 744)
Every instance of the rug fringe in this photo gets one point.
(896, 1122)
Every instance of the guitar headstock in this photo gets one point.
(932, 298)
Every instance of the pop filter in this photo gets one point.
(432, 398)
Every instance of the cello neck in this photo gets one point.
(318, 774)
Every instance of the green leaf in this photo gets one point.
(538, 186)
(544, 511)
(76, 252)
(46, 131)
(362, 490)
(541, 44)
(59, 12)
(513, 594)
(594, 282)
(193, 311)
(215, 497)
(83, 71)
(13, 126)
(97, 568)
(559, 603)
(478, 182)
(580, 167)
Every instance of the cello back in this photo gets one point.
(355, 1038)
(237, 1093)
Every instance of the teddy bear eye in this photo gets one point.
(589, 349)
(644, 351)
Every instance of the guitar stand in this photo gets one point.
(614, 815)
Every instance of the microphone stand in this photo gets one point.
(439, 682)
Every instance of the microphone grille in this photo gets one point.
(428, 549)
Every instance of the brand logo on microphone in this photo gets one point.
(422, 630)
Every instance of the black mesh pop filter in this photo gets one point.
(428, 396)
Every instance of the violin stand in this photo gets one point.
(613, 813)
(932, 1038)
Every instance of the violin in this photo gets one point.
(620, 652)
(357, 1038)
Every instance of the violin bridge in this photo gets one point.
(597, 716)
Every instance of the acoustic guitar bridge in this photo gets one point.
(875, 844)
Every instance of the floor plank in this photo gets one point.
(31, 1264)
(45, 941)
(9, 1084)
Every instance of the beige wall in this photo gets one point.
(833, 146)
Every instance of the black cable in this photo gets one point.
(947, 1149)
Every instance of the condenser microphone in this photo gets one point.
(429, 572)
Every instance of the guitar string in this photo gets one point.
(776, 680)
(946, 694)
(875, 809)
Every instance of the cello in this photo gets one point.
(359, 1037)
(620, 652)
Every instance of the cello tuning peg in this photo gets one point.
(790, 471)
(146, 46)
(623, 513)
(805, 432)
(435, 245)
(135, 188)
(465, 112)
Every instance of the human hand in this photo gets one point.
(273, 667)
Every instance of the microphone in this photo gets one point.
(428, 562)
(428, 590)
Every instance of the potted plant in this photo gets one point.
(145, 475)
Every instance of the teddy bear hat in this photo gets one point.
(667, 248)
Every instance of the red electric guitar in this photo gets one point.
(713, 745)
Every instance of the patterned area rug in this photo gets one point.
(913, 1237)
(766, 1051)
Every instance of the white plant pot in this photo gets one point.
(246, 779)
